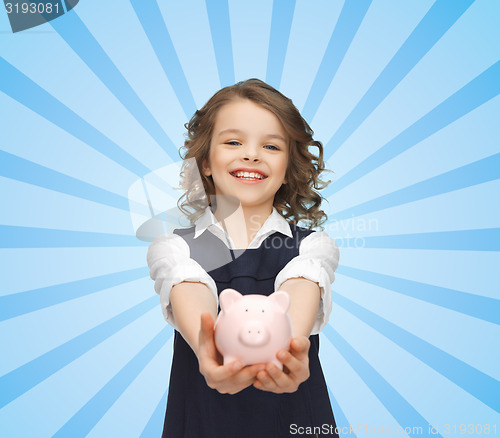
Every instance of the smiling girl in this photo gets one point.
(251, 146)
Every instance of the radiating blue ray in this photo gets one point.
(350, 19)
(281, 23)
(28, 237)
(20, 303)
(149, 15)
(487, 239)
(220, 28)
(155, 423)
(22, 89)
(478, 172)
(89, 415)
(470, 379)
(83, 43)
(485, 308)
(397, 405)
(340, 418)
(19, 169)
(478, 91)
(22, 379)
(440, 17)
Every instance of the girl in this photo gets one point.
(251, 145)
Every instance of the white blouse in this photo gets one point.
(170, 263)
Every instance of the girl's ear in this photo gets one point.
(205, 168)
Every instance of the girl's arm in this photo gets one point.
(186, 293)
(194, 309)
(189, 300)
(307, 278)
(170, 267)
(304, 304)
(317, 262)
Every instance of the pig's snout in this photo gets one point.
(254, 334)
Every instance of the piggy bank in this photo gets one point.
(252, 328)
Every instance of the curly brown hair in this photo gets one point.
(298, 200)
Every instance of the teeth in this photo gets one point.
(251, 175)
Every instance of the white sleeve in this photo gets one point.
(169, 264)
(317, 261)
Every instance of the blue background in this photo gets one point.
(404, 96)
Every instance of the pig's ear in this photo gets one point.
(282, 299)
(228, 297)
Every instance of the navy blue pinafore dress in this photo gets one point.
(194, 410)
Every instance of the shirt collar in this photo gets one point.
(275, 222)
(206, 220)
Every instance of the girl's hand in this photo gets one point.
(295, 370)
(227, 379)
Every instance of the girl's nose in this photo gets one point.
(251, 154)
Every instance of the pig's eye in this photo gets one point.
(262, 310)
(246, 310)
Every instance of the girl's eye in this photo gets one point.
(233, 143)
(273, 148)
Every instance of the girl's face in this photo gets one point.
(248, 154)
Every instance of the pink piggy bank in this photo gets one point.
(252, 328)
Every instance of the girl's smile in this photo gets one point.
(248, 154)
(248, 175)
